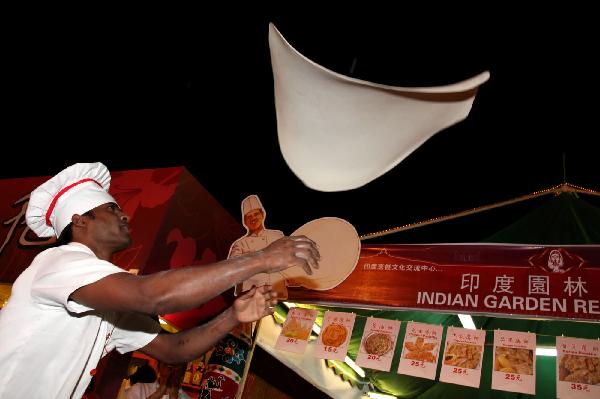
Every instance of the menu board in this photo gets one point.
(514, 362)
(296, 330)
(420, 350)
(463, 354)
(336, 332)
(378, 342)
(577, 368)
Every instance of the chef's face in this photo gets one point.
(110, 226)
(253, 219)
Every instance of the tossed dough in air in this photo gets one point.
(338, 133)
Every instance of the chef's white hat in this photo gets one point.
(250, 203)
(76, 190)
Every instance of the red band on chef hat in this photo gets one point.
(60, 193)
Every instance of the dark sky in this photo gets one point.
(195, 89)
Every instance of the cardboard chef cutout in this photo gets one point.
(338, 242)
(338, 133)
(257, 237)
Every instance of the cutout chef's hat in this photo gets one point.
(250, 203)
(75, 190)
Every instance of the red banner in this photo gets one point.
(541, 281)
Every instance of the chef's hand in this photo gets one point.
(291, 251)
(254, 304)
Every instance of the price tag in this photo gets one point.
(514, 362)
(577, 360)
(335, 335)
(463, 355)
(378, 343)
(420, 350)
(296, 330)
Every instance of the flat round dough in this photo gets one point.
(339, 246)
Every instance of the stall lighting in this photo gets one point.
(354, 367)
(467, 321)
(316, 329)
(377, 395)
(545, 352)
